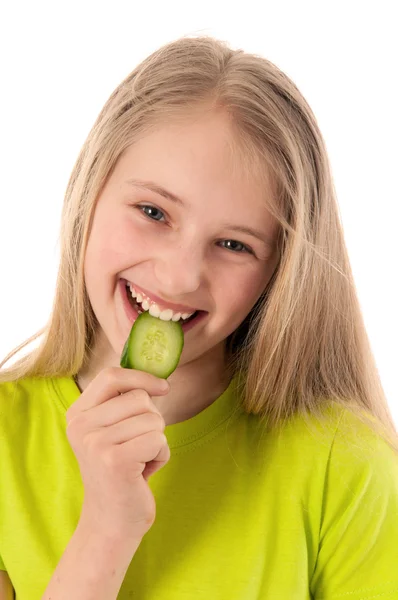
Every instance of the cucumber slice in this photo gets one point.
(154, 346)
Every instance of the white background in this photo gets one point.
(61, 61)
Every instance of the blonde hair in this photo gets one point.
(304, 343)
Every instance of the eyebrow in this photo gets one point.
(154, 187)
(157, 189)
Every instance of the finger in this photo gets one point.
(111, 382)
(131, 428)
(118, 409)
(151, 447)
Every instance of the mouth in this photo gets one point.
(135, 307)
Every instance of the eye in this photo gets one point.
(151, 212)
(236, 246)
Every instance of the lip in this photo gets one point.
(132, 314)
(175, 307)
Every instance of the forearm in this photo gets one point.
(92, 567)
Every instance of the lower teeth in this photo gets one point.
(138, 307)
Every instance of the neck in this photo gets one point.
(193, 386)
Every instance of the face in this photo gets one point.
(174, 219)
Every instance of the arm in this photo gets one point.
(358, 539)
(117, 436)
(6, 589)
(92, 567)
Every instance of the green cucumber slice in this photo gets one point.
(153, 345)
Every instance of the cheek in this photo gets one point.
(239, 293)
(113, 245)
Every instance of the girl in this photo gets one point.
(267, 465)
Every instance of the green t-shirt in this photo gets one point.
(241, 512)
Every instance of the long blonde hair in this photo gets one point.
(305, 342)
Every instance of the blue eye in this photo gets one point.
(152, 212)
(155, 214)
(236, 247)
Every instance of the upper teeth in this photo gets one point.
(154, 309)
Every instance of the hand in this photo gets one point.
(116, 433)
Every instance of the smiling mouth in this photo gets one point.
(139, 308)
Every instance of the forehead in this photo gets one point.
(202, 153)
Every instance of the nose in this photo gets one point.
(179, 270)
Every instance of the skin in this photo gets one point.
(182, 254)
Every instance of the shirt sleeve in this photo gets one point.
(358, 539)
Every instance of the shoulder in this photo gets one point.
(20, 389)
(360, 468)
(361, 458)
(337, 442)
(18, 399)
(340, 429)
